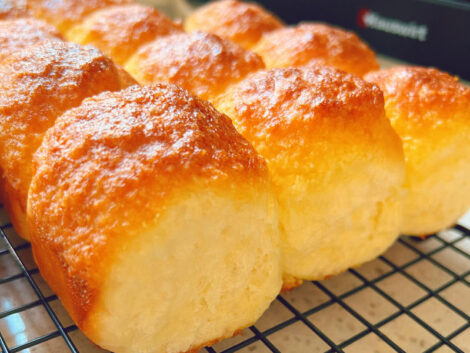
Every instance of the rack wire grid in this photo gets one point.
(414, 298)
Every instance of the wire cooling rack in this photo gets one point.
(414, 298)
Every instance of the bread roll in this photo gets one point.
(316, 44)
(241, 22)
(63, 14)
(120, 30)
(336, 163)
(36, 86)
(10, 9)
(430, 110)
(19, 34)
(202, 63)
(160, 233)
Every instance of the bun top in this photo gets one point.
(120, 30)
(36, 86)
(316, 44)
(159, 131)
(242, 23)
(200, 62)
(22, 33)
(118, 160)
(288, 114)
(63, 14)
(419, 99)
(13, 9)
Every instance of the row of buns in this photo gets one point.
(153, 184)
(295, 134)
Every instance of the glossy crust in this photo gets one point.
(314, 43)
(420, 99)
(122, 156)
(120, 30)
(430, 110)
(36, 87)
(10, 9)
(278, 103)
(336, 163)
(19, 34)
(200, 62)
(241, 22)
(63, 14)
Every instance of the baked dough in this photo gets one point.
(160, 233)
(202, 63)
(430, 110)
(22, 33)
(241, 22)
(316, 44)
(336, 163)
(36, 86)
(64, 14)
(119, 31)
(10, 9)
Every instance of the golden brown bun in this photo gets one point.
(200, 62)
(64, 14)
(241, 22)
(19, 34)
(336, 163)
(36, 86)
(10, 9)
(161, 222)
(430, 110)
(316, 44)
(120, 30)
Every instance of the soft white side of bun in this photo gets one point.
(438, 187)
(430, 111)
(351, 218)
(336, 163)
(208, 269)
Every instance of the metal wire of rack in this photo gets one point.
(414, 298)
